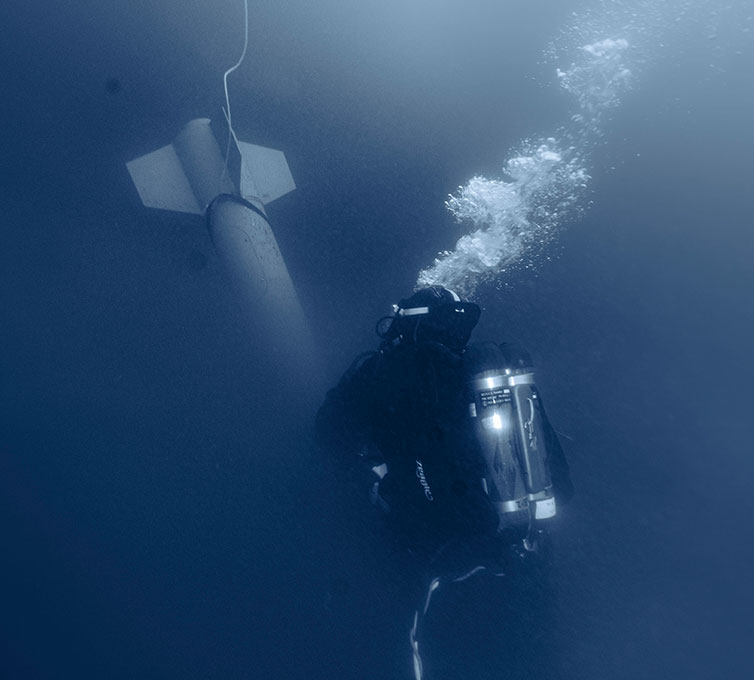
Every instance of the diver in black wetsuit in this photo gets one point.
(466, 466)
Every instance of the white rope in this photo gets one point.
(226, 110)
(433, 586)
(415, 649)
(238, 63)
(469, 574)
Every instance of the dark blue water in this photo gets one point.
(162, 513)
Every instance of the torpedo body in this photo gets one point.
(207, 171)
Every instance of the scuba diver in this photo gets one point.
(456, 449)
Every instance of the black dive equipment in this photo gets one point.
(432, 314)
(510, 425)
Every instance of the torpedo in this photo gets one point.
(207, 171)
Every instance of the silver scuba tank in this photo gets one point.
(509, 423)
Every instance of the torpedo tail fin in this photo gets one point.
(265, 175)
(162, 183)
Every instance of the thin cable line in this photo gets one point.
(226, 110)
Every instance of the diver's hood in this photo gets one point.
(434, 314)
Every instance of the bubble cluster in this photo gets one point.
(597, 80)
(512, 219)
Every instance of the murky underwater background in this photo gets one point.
(163, 512)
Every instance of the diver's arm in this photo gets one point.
(337, 426)
(341, 425)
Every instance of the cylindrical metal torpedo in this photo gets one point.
(206, 170)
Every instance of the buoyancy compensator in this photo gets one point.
(510, 424)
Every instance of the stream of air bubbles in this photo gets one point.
(514, 218)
